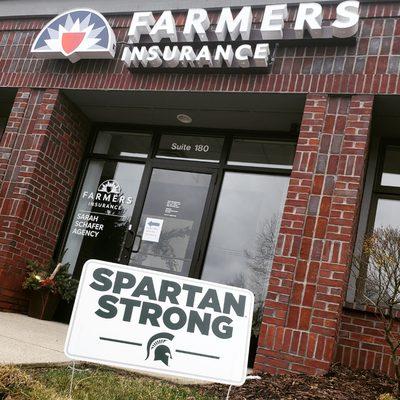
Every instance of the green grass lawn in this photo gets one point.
(95, 383)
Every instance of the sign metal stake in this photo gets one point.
(248, 377)
(229, 392)
(72, 380)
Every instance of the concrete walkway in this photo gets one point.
(25, 340)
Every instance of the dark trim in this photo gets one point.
(377, 190)
(197, 266)
(184, 165)
(288, 136)
(384, 144)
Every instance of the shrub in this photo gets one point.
(55, 278)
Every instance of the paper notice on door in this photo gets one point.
(152, 230)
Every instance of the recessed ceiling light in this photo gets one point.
(184, 118)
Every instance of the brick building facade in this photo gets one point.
(307, 323)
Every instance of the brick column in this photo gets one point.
(41, 150)
(310, 269)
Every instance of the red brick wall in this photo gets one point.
(361, 342)
(43, 144)
(308, 280)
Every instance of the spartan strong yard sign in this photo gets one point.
(157, 322)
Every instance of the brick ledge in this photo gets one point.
(366, 308)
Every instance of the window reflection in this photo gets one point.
(175, 201)
(387, 213)
(123, 144)
(261, 153)
(243, 238)
(391, 167)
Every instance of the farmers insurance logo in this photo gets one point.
(108, 196)
(76, 34)
(110, 186)
(85, 33)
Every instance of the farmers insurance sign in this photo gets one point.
(157, 322)
(233, 42)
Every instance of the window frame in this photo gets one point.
(151, 162)
(379, 191)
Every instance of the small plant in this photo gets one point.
(52, 277)
(378, 268)
(386, 396)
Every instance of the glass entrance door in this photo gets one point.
(166, 236)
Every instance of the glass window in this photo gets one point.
(170, 220)
(103, 212)
(261, 153)
(369, 276)
(123, 144)
(387, 213)
(391, 167)
(193, 148)
(244, 233)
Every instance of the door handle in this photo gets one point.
(132, 244)
(137, 243)
(129, 239)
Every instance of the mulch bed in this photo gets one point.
(339, 384)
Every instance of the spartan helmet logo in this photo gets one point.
(161, 351)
